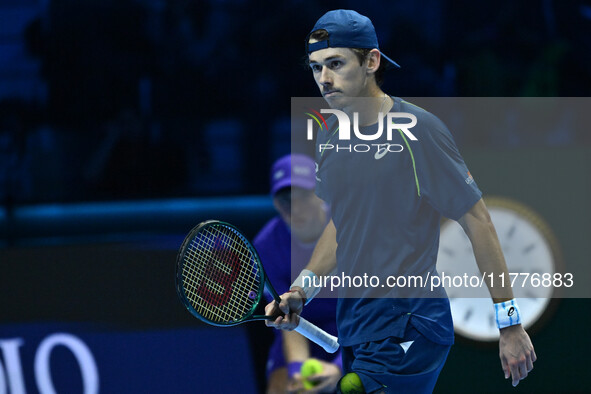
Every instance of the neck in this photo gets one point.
(368, 108)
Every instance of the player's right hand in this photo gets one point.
(287, 311)
(516, 352)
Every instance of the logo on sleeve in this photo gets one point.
(469, 180)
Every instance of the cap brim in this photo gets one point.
(297, 182)
(390, 64)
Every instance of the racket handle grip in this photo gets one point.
(328, 342)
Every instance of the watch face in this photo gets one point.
(531, 254)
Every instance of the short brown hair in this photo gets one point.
(361, 53)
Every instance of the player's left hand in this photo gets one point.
(516, 352)
(286, 312)
(327, 380)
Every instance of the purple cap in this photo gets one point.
(347, 29)
(293, 170)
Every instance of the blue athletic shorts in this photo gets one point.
(397, 365)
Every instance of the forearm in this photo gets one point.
(295, 347)
(487, 250)
(324, 260)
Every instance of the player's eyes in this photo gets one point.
(335, 64)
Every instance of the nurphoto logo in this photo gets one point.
(345, 125)
(344, 131)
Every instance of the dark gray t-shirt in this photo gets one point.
(386, 204)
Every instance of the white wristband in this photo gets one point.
(307, 281)
(507, 314)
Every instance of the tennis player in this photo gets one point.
(386, 208)
(292, 236)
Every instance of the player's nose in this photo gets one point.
(325, 77)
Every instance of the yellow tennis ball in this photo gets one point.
(351, 384)
(310, 367)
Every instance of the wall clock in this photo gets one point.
(533, 259)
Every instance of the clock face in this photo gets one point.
(531, 254)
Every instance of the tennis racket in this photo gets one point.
(220, 280)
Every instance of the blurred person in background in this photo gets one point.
(285, 244)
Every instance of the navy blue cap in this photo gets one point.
(347, 29)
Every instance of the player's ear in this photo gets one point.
(373, 61)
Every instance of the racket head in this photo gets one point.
(219, 277)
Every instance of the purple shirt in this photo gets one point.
(276, 249)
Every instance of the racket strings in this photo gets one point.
(240, 303)
(204, 287)
(220, 274)
(208, 281)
